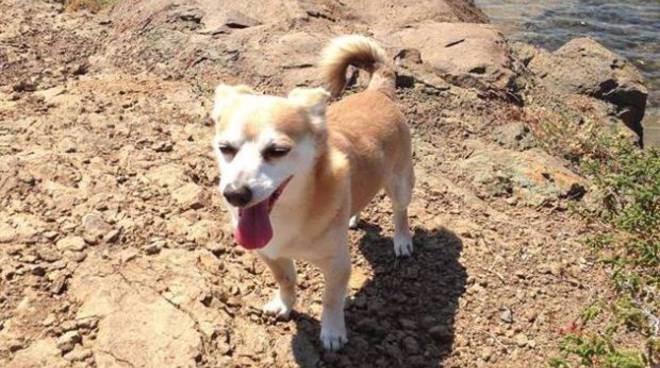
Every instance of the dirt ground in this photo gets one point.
(115, 250)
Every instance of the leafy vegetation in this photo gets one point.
(596, 351)
(628, 180)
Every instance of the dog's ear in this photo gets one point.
(314, 100)
(224, 94)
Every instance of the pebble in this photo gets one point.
(77, 256)
(95, 227)
(58, 265)
(163, 146)
(189, 196)
(58, 285)
(111, 236)
(7, 233)
(531, 316)
(73, 243)
(50, 235)
(521, 340)
(48, 254)
(553, 268)
(407, 324)
(68, 340)
(29, 258)
(486, 353)
(16, 344)
(68, 325)
(49, 320)
(87, 323)
(78, 354)
(127, 255)
(506, 315)
(216, 248)
(38, 271)
(411, 345)
(441, 333)
(154, 248)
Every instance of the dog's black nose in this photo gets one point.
(238, 197)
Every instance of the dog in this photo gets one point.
(295, 172)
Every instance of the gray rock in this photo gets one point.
(58, 285)
(514, 136)
(585, 67)
(533, 175)
(467, 55)
(506, 315)
(95, 227)
(38, 270)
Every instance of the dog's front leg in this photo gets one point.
(336, 272)
(284, 272)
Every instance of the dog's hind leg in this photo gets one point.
(399, 189)
(284, 272)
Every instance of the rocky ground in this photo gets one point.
(114, 247)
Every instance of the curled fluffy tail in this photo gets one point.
(361, 52)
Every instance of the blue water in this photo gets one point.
(630, 28)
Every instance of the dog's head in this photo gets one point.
(262, 142)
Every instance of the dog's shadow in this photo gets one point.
(404, 315)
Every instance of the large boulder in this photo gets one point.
(388, 15)
(465, 54)
(532, 176)
(585, 67)
(273, 44)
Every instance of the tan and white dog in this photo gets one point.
(294, 171)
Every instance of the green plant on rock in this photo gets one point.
(596, 351)
(629, 180)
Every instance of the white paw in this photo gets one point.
(333, 339)
(403, 245)
(353, 222)
(277, 307)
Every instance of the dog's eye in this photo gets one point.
(227, 150)
(276, 152)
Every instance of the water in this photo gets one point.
(630, 28)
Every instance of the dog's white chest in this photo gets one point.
(286, 233)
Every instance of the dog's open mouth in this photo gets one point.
(254, 230)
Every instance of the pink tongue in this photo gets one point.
(254, 230)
